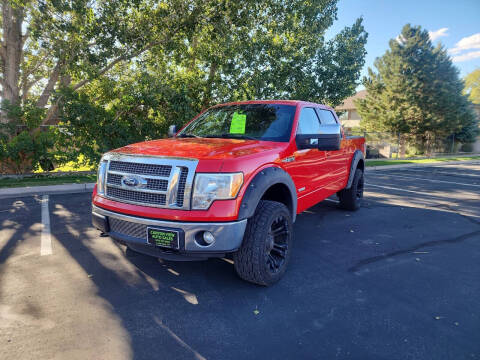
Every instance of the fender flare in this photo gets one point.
(259, 185)
(357, 157)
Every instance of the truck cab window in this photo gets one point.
(308, 122)
(326, 117)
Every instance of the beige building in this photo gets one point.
(476, 146)
(350, 118)
(348, 111)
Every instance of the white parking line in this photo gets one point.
(397, 189)
(46, 239)
(429, 180)
(434, 172)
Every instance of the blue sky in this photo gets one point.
(454, 23)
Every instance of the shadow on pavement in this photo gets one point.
(379, 309)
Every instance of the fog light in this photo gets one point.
(208, 237)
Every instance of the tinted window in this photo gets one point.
(270, 122)
(308, 122)
(326, 117)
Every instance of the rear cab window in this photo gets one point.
(326, 117)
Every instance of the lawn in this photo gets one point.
(38, 180)
(420, 161)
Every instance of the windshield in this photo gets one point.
(270, 122)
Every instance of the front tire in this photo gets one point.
(265, 252)
(351, 199)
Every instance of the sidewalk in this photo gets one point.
(46, 189)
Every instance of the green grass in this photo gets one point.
(419, 161)
(47, 180)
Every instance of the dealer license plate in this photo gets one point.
(162, 238)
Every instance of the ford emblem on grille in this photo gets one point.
(133, 181)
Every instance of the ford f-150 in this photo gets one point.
(232, 181)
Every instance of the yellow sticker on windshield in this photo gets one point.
(238, 123)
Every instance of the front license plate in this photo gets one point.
(162, 238)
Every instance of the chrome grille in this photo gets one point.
(152, 184)
(128, 228)
(114, 179)
(155, 184)
(181, 185)
(136, 196)
(141, 169)
(150, 181)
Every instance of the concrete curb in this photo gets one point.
(46, 190)
(400, 166)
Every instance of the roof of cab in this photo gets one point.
(284, 102)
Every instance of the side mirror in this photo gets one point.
(327, 140)
(172, 130)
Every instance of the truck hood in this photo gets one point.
(202, 148)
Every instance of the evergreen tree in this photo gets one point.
(417, 93)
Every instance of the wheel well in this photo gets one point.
(280, 193)
(361, 165)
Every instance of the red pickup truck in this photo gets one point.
(231, 181)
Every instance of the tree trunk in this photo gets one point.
(47, 91)
(11, 54)
(52, 113)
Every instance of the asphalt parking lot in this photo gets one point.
(399, 279)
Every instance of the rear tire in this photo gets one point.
(265, 252)
(351, 199)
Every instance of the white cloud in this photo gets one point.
(439, 33)
(467, 56)
(467, 43)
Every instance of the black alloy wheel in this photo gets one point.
(266, 249)
(277, 244)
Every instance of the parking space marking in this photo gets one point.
(434, 172)
(398, 189)
(429, 180)
(46, 238)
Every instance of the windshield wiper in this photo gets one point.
(232, 136)
(185, 135)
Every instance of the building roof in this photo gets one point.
(348, 103)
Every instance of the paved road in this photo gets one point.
(399, 279)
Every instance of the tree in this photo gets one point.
(174, 58)
(50, 44)
(472, 86)
(71, 43)
(235, 51)
(416, 92)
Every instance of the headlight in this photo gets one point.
(211, 187)
(102, 169)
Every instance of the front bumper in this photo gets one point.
(132, 231)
